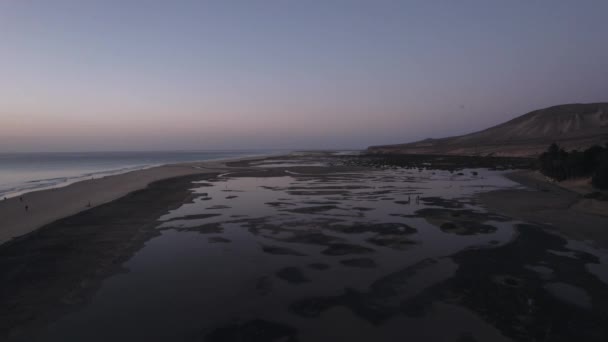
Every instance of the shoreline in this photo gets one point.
(561, 208)
(48, 205)
(560, 205)
(69, 180)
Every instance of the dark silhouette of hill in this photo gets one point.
(572, 126)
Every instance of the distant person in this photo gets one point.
(20, 199)
(27, 208)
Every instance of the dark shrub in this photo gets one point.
(560, 165)
(592, 157)
(600, 176)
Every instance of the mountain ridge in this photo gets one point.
(573, 126)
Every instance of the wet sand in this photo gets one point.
(56, 268)
(303, 248)
(559, 207)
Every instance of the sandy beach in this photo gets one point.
(46, 206)
(559, 206)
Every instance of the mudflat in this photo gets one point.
(308, 247)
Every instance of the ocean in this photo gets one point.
(25, 172)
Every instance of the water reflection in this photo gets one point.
(364, 256)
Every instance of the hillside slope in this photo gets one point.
(573, 126)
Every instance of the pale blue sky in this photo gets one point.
(147, 75)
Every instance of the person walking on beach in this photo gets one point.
(27, 208)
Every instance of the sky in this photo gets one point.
(164, 75)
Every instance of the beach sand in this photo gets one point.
(49, 205)
(558, 205)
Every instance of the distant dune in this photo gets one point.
(573, 126)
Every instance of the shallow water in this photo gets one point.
(310, 258)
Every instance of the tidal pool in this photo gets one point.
(378, 255)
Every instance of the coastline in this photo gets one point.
(48, 205)
(560, 205)
(95, 165)
(62, 268)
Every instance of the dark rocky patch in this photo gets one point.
(329, 187)
(318, 192)
(437, 162)
(264, 285)
(256, 330)
(281, 251)
(218, 239)
(314, 237)
(217, 207)
(319, 266)
(300, 231)
(380, 303)
(312, 210)
(497, 284)
(448, 226)
(202, 184)
(273, 188)
(391, 241)
(461, 222)
(467, 228)
(442, 202)
(379, 228)
(321, 202)
(359, 262)
(207, 228)
(292, 275)
(345, 249)
(466, 337)
(279, 204)
(193, 217)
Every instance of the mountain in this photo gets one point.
(572, 126)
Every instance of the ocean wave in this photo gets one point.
(18, 189)
(81, 166)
